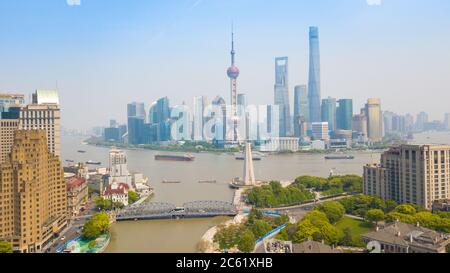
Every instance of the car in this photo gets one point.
(63, 238)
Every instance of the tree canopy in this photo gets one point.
(333, 210)
(5, 247)
(332, 185)
(374, 216)
(132, 197)
(247, 242)
(274, 195)
(96, 226)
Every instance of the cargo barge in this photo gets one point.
(343, 157)
(174, 158)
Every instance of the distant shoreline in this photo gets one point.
(221, 151)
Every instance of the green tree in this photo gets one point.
(333, 210)
(347, 238)
(96, 226)
(247, 242)
(260, 228)
(5, 247)
(132, 197)
(406, 209)
(254, 214)
(390, 205)
(306, 231)
(329, 233)
(374, 216)
(228, 236)
(404, 218)
(283, 235)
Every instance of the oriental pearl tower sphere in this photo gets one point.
(233, 74)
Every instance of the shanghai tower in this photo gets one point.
(314, 76)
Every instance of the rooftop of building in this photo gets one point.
(313, 247)
(75, 182)
(405, 235)
(116, 188)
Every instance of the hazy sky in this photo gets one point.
(105, 53)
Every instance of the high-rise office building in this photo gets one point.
(359, 126)
(43, 117)
(329, 112)
(422, 119)
(241, 104)
(219, 114)
(314, 94)
(112, 134)
(135, 130)
(113, 123)
(282, 95)
(10, 100)
(45, 97)
(200, 104)
(33, 193)
(399, 124)
(388, 118)
(447, 121)
(344, 114)
(415, 174)
(42, 114)
(409, 122)
(374, 120)
(320, 131)
(7, 129)
(301, 108)
(136, 109)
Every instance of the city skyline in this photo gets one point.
(88, 64)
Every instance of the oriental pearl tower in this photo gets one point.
(233, 74)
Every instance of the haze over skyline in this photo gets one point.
(104, 54)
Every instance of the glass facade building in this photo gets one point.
(301, 107)
(344, 114)
(314, 76)
(329, 112)
(374, 120)
(282, 95)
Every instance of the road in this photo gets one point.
(74, 229)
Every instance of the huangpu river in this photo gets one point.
(183, 235)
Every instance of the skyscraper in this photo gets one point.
(320, 131)
(314, 76)
(199, 117)
(282, 95)
(219, 114)
(135, 130)
(374, 120)
(344, 114)
(388, 118)
(7, 130)
(447, 121)
(136, 109)
(301, 108)
(34, 208)
(233, 74)
(241, 104)
(44, 116)
(10, 100)
(359, 125)
(329, 112)
(422, 119)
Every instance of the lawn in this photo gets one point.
(357, 228)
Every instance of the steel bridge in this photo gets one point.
(162, 210)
